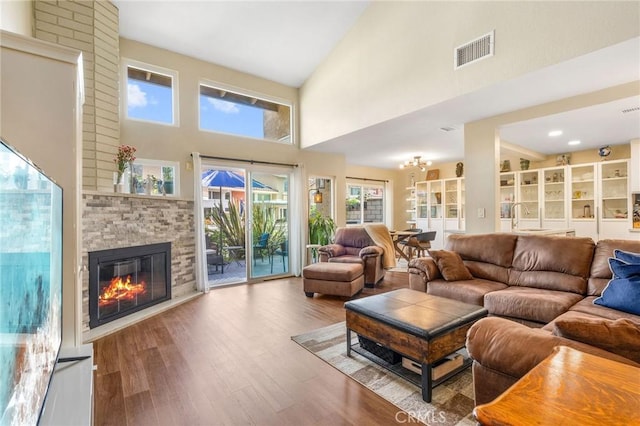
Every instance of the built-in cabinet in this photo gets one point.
(440, 207)
(600, 199)
(411, 205)
(592, 198)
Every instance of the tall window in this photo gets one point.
(150, 93)
(234, 113)
(365, 203)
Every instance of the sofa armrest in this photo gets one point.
(332, 250)
(371, 251)
(513, 349)
(426, 266)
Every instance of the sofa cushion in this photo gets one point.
(531, 304)
(552, 263)
(465, 291)
(622, 294)
(627, 256)
(620, 336)
(586, 306)
(600, 272)
(491, 264)
(450, 265)
(622, 269)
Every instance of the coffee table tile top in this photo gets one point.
(416, 312)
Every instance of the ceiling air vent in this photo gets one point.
(624, 111)
(477, 49)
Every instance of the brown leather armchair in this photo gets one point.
(354, 245)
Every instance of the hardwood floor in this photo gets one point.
(227, 358)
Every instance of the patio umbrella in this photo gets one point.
(230, 179)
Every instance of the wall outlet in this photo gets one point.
(481, 212)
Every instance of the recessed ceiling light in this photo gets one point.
(554, 133)
(574, 142)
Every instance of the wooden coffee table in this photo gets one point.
(419, 326)
(569, 388)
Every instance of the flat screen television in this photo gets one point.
(30, 286)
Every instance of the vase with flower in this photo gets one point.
(124, 159)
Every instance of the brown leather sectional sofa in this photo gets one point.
(531, 285)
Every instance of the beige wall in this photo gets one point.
(15, 16)
(176, 143)
(398, 58)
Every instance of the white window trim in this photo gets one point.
(126, 63)
(250, 93)
(385, 200)
(161, 163)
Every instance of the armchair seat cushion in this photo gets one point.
(346, 259)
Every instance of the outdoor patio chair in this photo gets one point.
(260, 246)
(284, 252)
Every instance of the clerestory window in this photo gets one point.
(239, 114)
(151, 93)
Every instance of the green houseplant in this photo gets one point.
(321, 228)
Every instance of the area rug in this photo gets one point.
(452, 401)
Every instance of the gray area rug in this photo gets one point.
(452, 401)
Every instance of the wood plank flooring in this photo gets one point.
(226, 358)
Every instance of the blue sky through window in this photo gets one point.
(149, 101)
(229, 117)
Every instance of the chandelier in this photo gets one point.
(416, 162)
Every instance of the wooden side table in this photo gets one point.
(569, 388)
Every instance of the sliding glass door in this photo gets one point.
(246, 223)
(269, 223)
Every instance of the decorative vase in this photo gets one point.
(459, 169)
(524, 164)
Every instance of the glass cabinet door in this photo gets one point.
(507, 193)
(554, 193)
(529, 204)
(435, 199)
(422, 200)
(451, 198)
(614, 190)
(583, 191)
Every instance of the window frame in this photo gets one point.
(250, 94)
(160, 163)
(381, 185)
(127, 63)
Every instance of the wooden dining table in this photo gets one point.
(399, 236)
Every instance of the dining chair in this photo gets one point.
(420, 243)
(402, 244)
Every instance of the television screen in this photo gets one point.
(30, 286)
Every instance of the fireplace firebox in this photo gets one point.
(126, 280)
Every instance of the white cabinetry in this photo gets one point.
(528, 210)
(453, 204)
(600, 200)
(507, 198)
(553, 198)
(411, 205)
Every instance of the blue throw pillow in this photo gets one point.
(622, 269)
(627, 256)
(622, 294)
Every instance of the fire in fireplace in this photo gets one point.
(126, 280)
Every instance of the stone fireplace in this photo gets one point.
(116, 224)
(126, 280)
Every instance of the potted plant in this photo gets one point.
(321, 228)
(167, 178)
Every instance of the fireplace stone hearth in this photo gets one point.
(114, 221)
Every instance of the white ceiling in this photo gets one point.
(286, 41)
